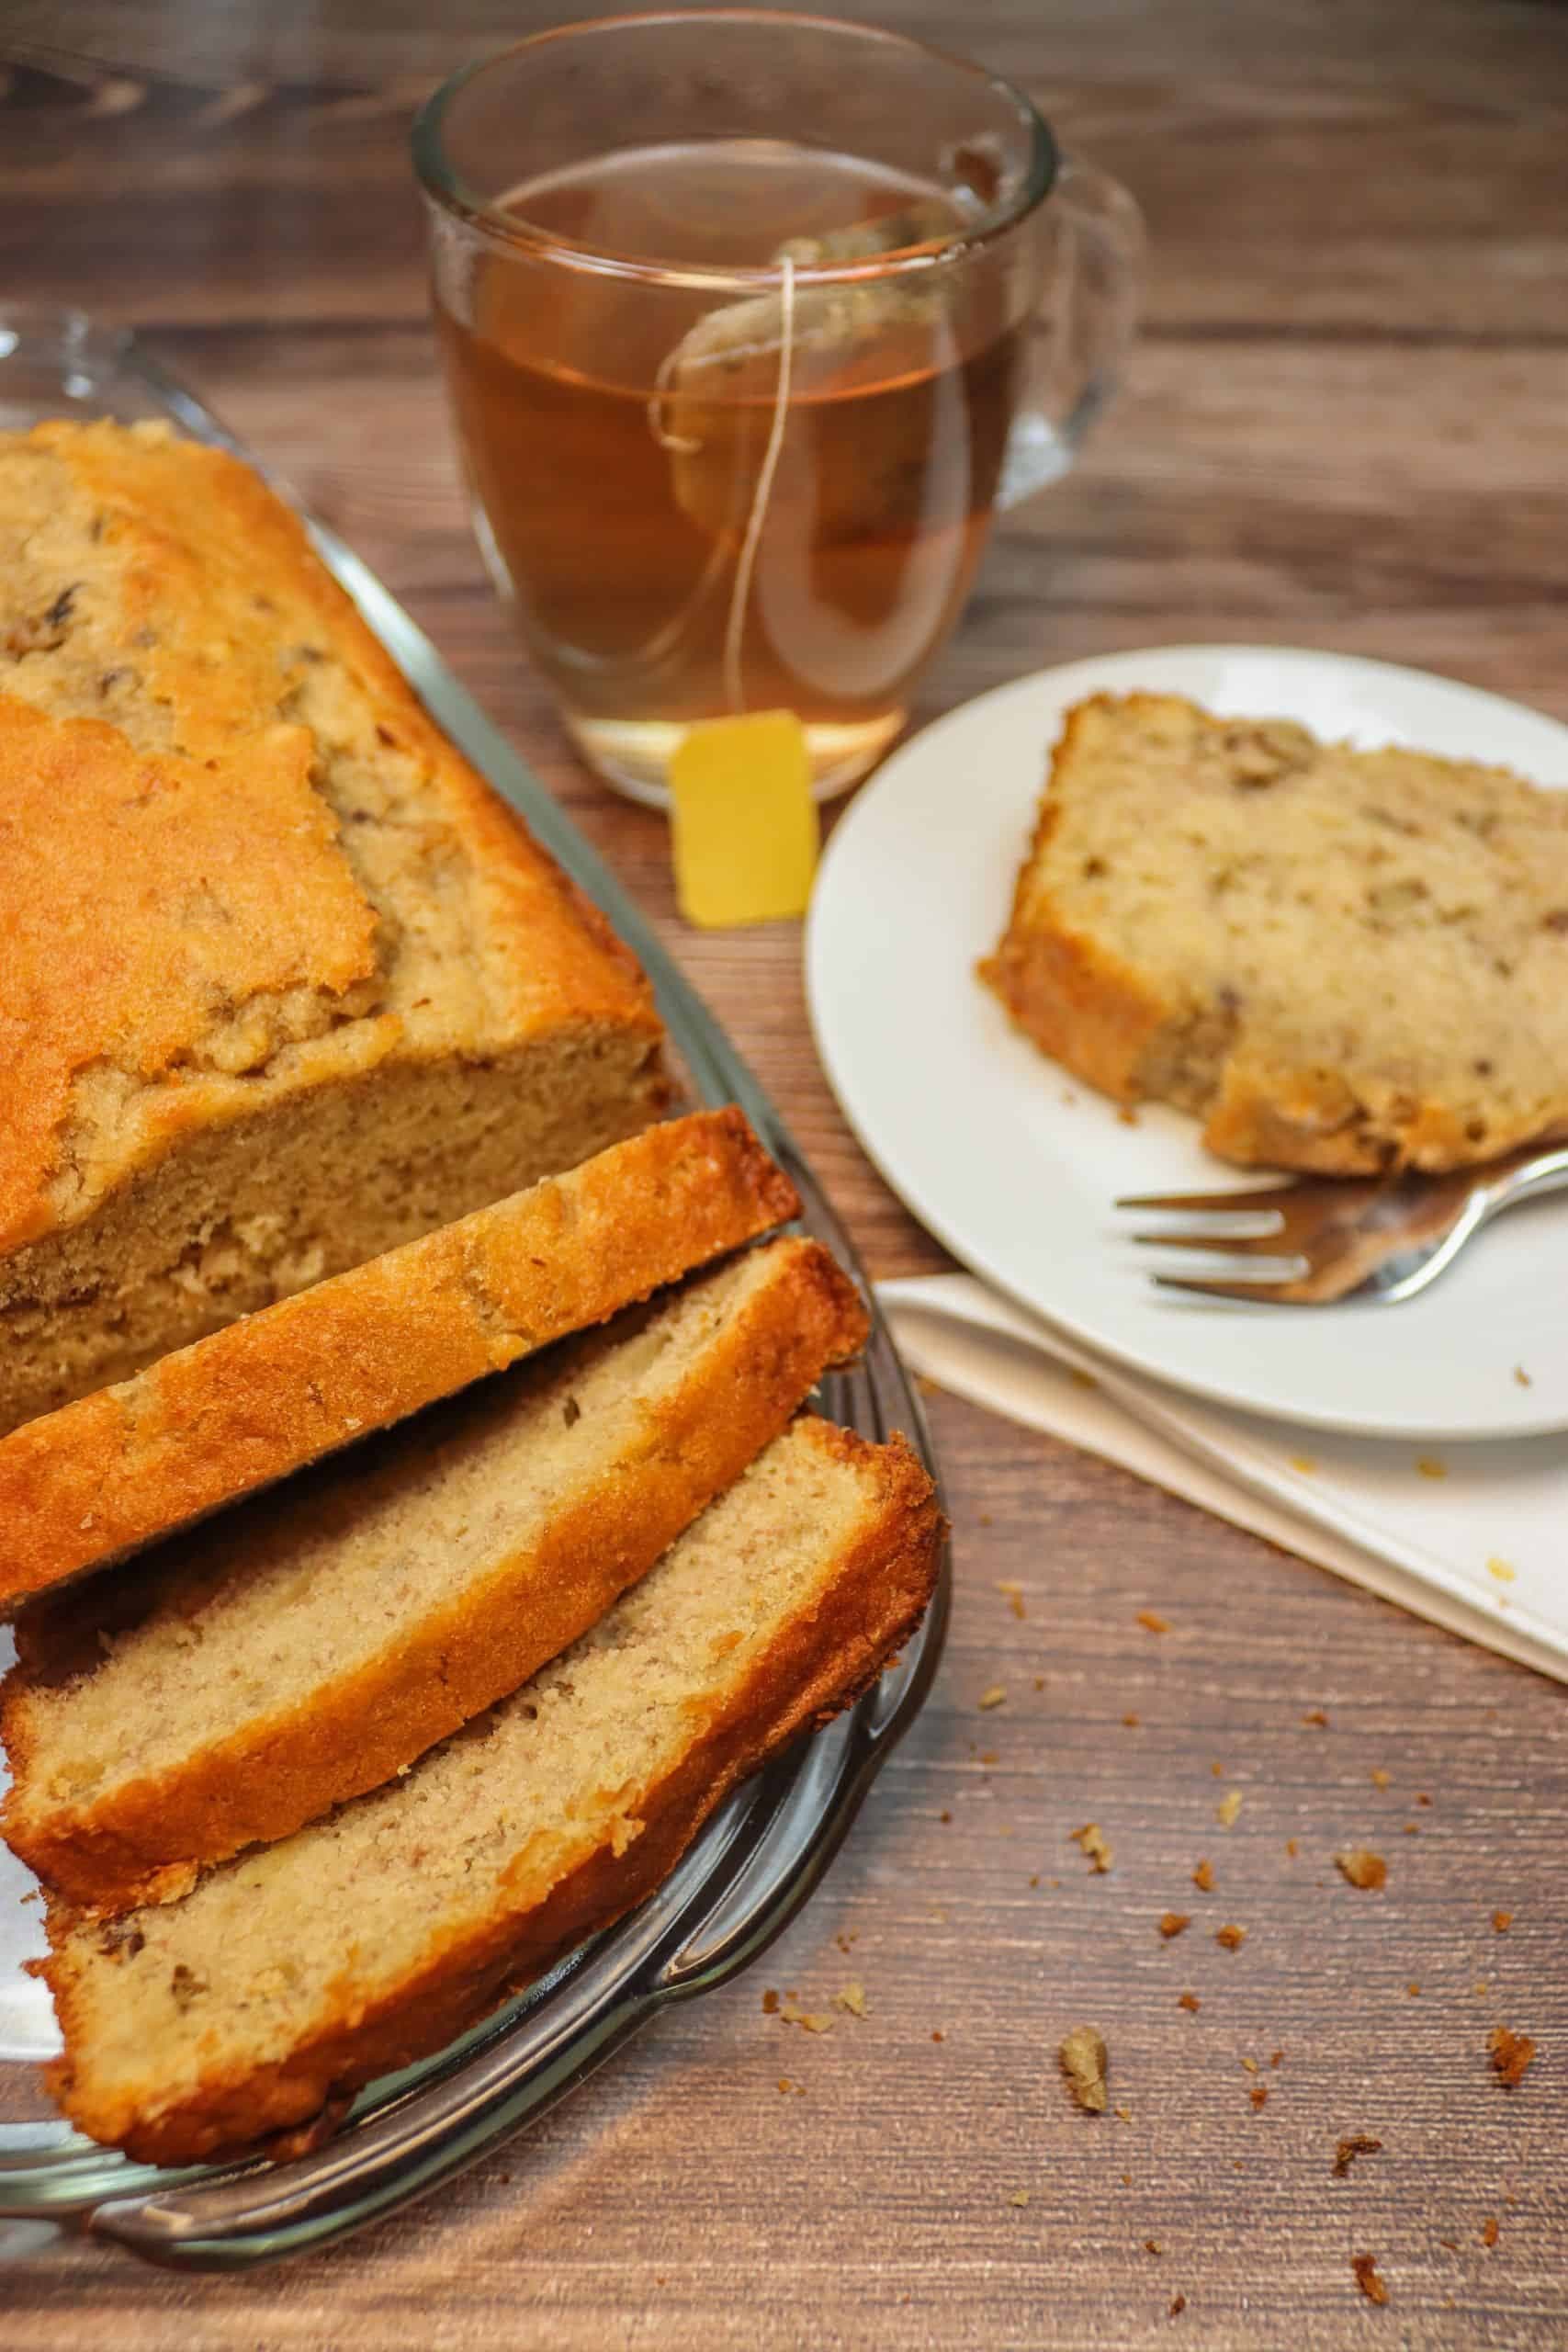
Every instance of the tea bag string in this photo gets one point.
(734, 627)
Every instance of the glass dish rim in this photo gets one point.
(444, 188)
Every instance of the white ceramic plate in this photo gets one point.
(1014, 1164)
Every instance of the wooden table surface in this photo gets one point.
(1345, 427)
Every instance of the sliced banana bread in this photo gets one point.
(282, 983)
(280, 1658)
(304, 1968)
(279, 1389)
(1339, 960)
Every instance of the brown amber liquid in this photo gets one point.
(622, 555)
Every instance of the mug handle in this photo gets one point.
(1091, 310)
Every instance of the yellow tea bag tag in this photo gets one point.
(744, 821)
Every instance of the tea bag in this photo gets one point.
(713, 408)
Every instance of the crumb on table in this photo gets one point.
(1512, 2054)
(1366, 2269)
(1084, 2061)
(1091, 1838)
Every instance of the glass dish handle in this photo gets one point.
(1092, 264)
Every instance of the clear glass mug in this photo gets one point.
(752, 321)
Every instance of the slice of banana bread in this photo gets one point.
(1338, 960)
(281, 1388)
(281, 1658)
(364, 1941)
(282, 983)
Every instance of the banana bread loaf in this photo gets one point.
(237, 1683)
(279, 1389)
(1338, 960)
(363, 1942)
(282, 984)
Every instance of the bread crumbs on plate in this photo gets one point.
(1174, 1923)
(1502, 1921)
(1358, 2143)
(1019, 2197)
(1227, 1809)
(1258, 2095)
(1374, 2288)
(1512, 2054)
(851, 1997)
(1203, 1878)
(1231, 1937)
(1503, 1570)
(1153, 1622)
(1083, 2059)
(1362, 1868)
(995, 1697)
(1189, 2002)
(1489, 2230)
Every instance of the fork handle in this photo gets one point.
(1539, 1171)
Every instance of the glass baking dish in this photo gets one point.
(758, 1860)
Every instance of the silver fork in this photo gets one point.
(1374, 1237)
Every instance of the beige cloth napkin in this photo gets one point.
(1474, 1537)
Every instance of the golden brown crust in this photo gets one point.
(1082, 1006)
(880, 1591)
(172, 858)
(1314, 1120)
(266, 1396)
(137, 1842)
(104, 970)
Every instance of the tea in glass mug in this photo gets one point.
(741, 316)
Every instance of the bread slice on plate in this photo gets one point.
(285, 1656)
(282, 983)
(268, 1395)
(1339, 960)
(302, 1970)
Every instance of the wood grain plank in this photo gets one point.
(1265, 209)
